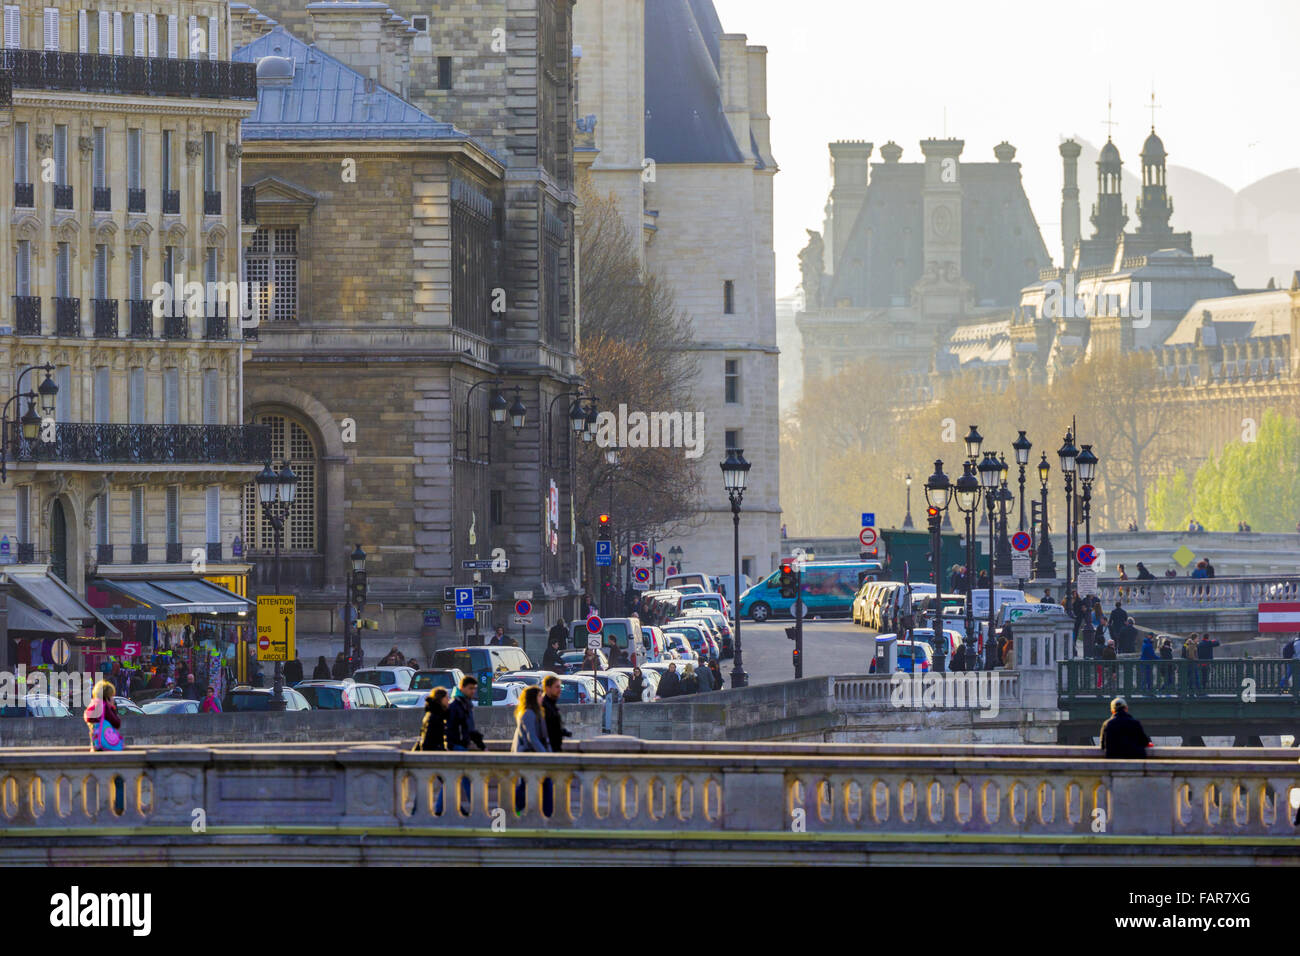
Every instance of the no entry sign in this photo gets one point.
(867, 537)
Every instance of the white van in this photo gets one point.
(689, 577)
(979, 601)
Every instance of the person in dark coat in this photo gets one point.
(958, 661)
(322, 671)
(689, 684)
(434, 728)
(460, 717)
(635, 687)
(293, 672)
(1143, 573)
(555, 732)
(551, 659)
(669, 684)
(717, 675)
(558, 633)
(340, 670)
(192, 691)
(1118, 618)
(705, 678)
(1122, 736)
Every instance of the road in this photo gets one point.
(835, 646)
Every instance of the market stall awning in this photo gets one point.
(43, 591)
(165, 597)
(24, 617)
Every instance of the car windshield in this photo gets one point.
(248, 700)
(323, 698)
(378, 678)
(428, 680)
(704, 602)
(462, 660)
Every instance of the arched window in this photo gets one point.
(291, 442)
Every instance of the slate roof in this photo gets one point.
(327, 99)
(1237, 317)
(684, 121)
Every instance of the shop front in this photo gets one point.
(48, 627)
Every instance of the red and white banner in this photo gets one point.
(1279, 616)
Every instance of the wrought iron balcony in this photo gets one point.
(135, 200)
(174, 552)
(103, 199)
(248, 204)
(214, 551)
(104, 554)
(24, 195)
(211, 203)
(95, 73)
(27, 314)
(141, 319)
(105, 318)
(62, 197)
(6, 92)
(67, 317)
(140, 554)
(171, 201)
(146, 444)
(216, 327)
(176, 327)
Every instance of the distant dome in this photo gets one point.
(275, 68)
(1153, 150)
(1109, 155)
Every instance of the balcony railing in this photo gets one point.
(62, 197)
(6, 93)
(214, 551)
(141, 319)
(103, 199)
(171, 201)
(216, 327)
(67, 317)
(211, 203)
(105, 318)
(162, 444)
(104, 554)
(94, 73)
(176, 327)
(27, 314)
(173, 552)
(248, 204)
(26, 554)
(140, 554)
(24, 195)
(135, 200)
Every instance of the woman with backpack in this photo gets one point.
(102, 718)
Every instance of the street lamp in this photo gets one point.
(1045, 567)
(675, 556)
(938, 492)
(990, 473)
(1086, 462)
(1067, 454)
(1022, 446)
(968, 501)
(275, 493)
(907, 519)
(1005, 498)
(589, 428)
(611, 459)
(517, 412)
(735, 472)
(973, 442)
(30, 421)
(357, 601)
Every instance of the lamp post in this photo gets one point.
(938, 492)
(990, 473)
(1045, 567)
(907, 519)
(735, 473)
(1004, 498)
(1067, 454)
(1022, 446)
(1086, 463)
(968, 500)
(275, 493)
(30, 421)
(606, 600)
(675, 556)
(357, 601)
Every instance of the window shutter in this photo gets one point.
(119, 42)
(214, 513)
(135, 399)
(195, 38)
(153, 34)
(173, 514)
(101, 271)
(100, 143)
(23, 267)
(24, 514)
(137, 38)
(63, 400)
(102, 512)
(137, 272)
(61, 155)
(212, 38)
(83, 32)
(133, 158)
(51, 28)
(103, 397)
(137, 516)
(171, 397)
(211, 397)
(171, 35)
(105, 37)
(20, 153)
(13, 27)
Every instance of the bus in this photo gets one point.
(828, 590)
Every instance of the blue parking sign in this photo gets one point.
(868, 519)
(603, 548)
(464, 598)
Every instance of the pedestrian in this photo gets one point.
(293, 672)
(1143, 573)
(1199, 571)
(558, 633)
(192, 688)
(322, 671)
(958, 662)
(983, 579)
(617, 656)
(1205, 648)
(669, 684)
(1009, 653)
(704, 677)
(499, 637)
(1108, 651)
(551, 659)
(413, 664)
(340, 667)
(1166, 651)
(1122, 736)
(157, 681)
(1118, 618)
(635, 687)
(393, 658)
(461, 734)
(555, 732)
(102, 719)
(690, 684)
(1148, 654)
(1172, 572)
(530, 727)
(1209, 568)
(1123, 574)
(433, 729)
(210, 703)
(716, 670)
(584, 608)
(1047, 596)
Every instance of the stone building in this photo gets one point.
(424, 274)
(120, 134)
(673, 121)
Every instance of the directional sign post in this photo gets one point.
(275, 627)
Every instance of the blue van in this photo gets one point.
(828, 590)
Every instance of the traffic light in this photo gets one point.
(798, 669)
(358, 594)
(792, 633)
(789, 581)
(603, 521)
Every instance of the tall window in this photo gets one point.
(60, 155)
(139, 46)
(23, 268)
(173, 36)
(169, 268)
(105, 33)
(444, 73)
(291, 440)
(166, 159)
(101, 271)
(272, 262)
(134, 146)
(135, 397)
(212, 512)
(731, 381)
(62, 273)
(20, 153)
(729, 297)
(137, 516)
(173, 514)
(103, 398)
(211, 397)
(13, 26)
(98, 158)
(137, 272)
(102, 512)
(732, 440)
(52, 30)
(210, 161)
(63, 400)
(171, 396)
(25, 514)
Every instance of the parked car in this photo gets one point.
(712, 601)
(37, 705)
(689, 579)
(650, 675)
(385, 678)
(170, 705)
(341, 695)
(909, 653)
(243, 699)
(722, 627)
(571, 661)
(125, 705)
(679, 646)
(580, 689)
(828, 590)
(408, 698)
(506, 694)
(498, 658)
(615, 680)
(694, 632)
(431, 677)
(926, 635)
(527, 678)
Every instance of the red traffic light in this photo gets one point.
(604, 519)
(787, 568)
(932, 512)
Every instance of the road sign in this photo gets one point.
(523, 595)
(594, 624)
(868, 519)
(433, 618)
(276, 615)
(641, 575)
(1087, 582)
(482, 592)
(1279, 616)
(1020, 567)
(523, 607)
(604, 554)
(60, 651)
(1021, 540)
(659, 558)
(464, 597)
(640, 549)
(1087, 554)
(603, 561)
(672, 569)
(867, 537)
(487, 564)
(593, 643)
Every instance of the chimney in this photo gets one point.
(247, 24)
(362, 35)
(733, 75)
(1070, 201)
(849, 162)
(759, 122)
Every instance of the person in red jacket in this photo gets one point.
(210, 703)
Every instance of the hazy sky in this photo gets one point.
(1226, 78)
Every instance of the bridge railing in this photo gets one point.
(1199, 592)
(1102, 679)
(867, 689)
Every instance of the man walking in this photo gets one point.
(668, 685)
(460, 717)
(1122, 736)
(558, 633)
(555, 731)
(292, 672)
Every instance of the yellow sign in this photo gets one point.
(275, 627)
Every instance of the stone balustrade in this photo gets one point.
(1163, 593)
(877, 689)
